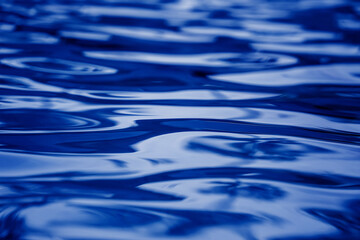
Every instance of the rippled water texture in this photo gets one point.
(179, 119)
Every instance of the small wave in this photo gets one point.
(52, 65)
(179, 119)
(27, 38)
(41, 120)
(328, 74)
(262, 35)
(341, 50)
(234, 60)
(25, 84)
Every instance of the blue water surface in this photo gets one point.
(179, 119)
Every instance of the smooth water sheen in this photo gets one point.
(179, 119)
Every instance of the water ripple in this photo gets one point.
(52, 65)
(25, 84)
(234, 60)
(341, 50)
(27, 38)
(179, 119)
(327, 74)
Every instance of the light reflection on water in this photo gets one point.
(179, 119)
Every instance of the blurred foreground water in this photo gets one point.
(188, 119)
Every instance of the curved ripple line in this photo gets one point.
(27, 38)
(327, 49)
(25, 84)
(235, 60)
(254, 34)
(53, 65)
(325, 75)
(148, 34)
(15, 119)
(170, 136)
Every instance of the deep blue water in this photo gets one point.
(179, 119)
